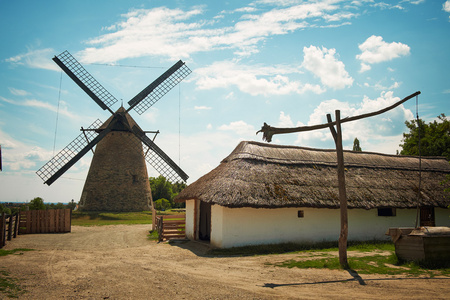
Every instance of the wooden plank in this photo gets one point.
(51, 220)
(67, 220)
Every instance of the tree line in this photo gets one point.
(34, 204)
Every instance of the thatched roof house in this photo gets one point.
(263, 193)
(262, 175)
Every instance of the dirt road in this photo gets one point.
(118, 262)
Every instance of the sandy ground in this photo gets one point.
(118, 262)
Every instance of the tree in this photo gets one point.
(164, 189)
(434, 138)
(36, 204)
(161, 188)
(4, 209)
(356, 146)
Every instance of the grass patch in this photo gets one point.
(14, 251)
(153, 235)
(90, 218)
(110, 218)
(293, 247)
(370, 264)
(8, 285)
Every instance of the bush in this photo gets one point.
(162, 204)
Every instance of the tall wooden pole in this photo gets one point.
(342, 193)
(268, 131)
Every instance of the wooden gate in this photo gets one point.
(45, 221)
(9, 226)
(171, 227)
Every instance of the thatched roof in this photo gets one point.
(270, 176)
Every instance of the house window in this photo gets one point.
(387, 212)
(300, 213)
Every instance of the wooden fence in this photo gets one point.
(9, 226)
(45, 221)
(171, 227)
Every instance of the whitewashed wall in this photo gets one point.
(190, 206)
(232, 227)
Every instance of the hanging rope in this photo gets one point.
(419, 194)
(57, 114)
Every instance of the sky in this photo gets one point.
(287, 63)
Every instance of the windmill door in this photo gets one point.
(427, 216)
(204, 232)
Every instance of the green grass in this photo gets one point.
(293, 247)
(110, 218)
(319, 256)
(114, 218)
(370, 264)
(8, 285)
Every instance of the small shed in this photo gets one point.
(264, 193)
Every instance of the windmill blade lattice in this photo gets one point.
(160, 160)
(78, 73)
(66, 154)
(158, 88)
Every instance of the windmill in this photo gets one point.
(117, 179)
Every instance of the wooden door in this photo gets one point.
(427, 216)
(204, 232)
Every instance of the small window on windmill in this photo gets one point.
(301, 213)
(387, 212)
(135, 180)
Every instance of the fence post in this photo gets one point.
(2, 230)
(16, 224)
(10, 227)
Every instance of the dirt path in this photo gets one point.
(118, 262)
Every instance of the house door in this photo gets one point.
(204, 232)
(427, 216)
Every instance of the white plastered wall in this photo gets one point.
(231, 227)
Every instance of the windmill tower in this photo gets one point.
(117, 179)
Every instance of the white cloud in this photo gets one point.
(63, 110)
(446, 7)
(36, 59)
(285, 121)
(324, 64)
(139, 34)
(373, 132)
(17, 92)
(239, 127)
(375, 50)
(253, 80)
(202, 107)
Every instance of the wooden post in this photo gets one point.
(342, 194)
(268, 131)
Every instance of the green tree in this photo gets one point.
(162, 204)
(164, 189)
(36, 204)
(434, 138)
(4, 209)
(356, 146)
(161, 188)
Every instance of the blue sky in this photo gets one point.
(285, 62)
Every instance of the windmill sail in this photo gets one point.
(59, 163)
(158, 88)
(160, 160)
(85, 81)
